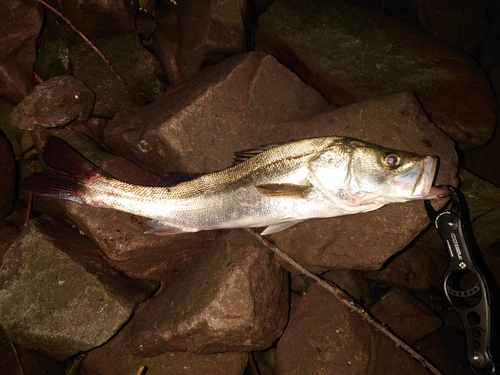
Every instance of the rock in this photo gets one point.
(405, 315)
(325, 337)
(197, 125)
(446, 349)
(120, 235)
(20, 23)
(7, 177)
(142, 74)
(24, 361)
(235, 298)
(367, 240)
(11, 132)
(58, 295)
(55, 43)
(165, 43)
(463, 24)
(115, 358)
(8, 234)
(206, 33)
(56, 102)
(351, 281)
(325, 44)
(413, 269)
(97, 18)
(483, 200)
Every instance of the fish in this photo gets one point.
(274, 186)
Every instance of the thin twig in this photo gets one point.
(30, 197)
(346, 300)
(140, 371)
(16, 354)
(25, 152)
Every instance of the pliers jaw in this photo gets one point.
(464, 284)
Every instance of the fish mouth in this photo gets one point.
(417, 183)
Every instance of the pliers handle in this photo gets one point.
(464, 284)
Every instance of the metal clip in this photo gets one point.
(464, 284)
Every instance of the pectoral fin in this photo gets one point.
(283, 190)
(279, 227)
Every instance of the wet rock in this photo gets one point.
(371, 54)
(332, 339)
(56, 102)
(405, 315)
(142, 76)
(366, 241)
(115, 358)
(20, 23)
(26, 361)
(197, 125)
(96, 18)
(234, 298)
(413, 269)
(483, 200)
(7, 177)
(206, 33)
(120, 235)
(58, 295)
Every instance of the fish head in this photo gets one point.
(378, 176)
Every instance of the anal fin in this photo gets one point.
(161, 228)
(279, 227)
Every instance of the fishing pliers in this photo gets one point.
(464, 283)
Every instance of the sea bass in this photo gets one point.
(274, 187)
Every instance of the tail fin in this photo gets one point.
(67, 177)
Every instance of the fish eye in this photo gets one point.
(391, 160)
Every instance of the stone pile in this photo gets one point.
(191, 83)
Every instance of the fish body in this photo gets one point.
(275, 187)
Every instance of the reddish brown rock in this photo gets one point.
(96, 18)
(22, 361)
(7, 177)
(447, 349)
(142, 77)
(405, 315)
(235, 298)
(197, 125)
(194, 34)
(464, 24)
(413, 269)
(325, 337)
(20, 23)
(120, 235)
(115, 358)
(324, 43)
(58, 295)
(56, 102)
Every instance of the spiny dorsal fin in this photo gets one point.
(283, 190)
(241, 156)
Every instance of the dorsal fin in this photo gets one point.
(242, 156)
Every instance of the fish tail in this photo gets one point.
(67, 177)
